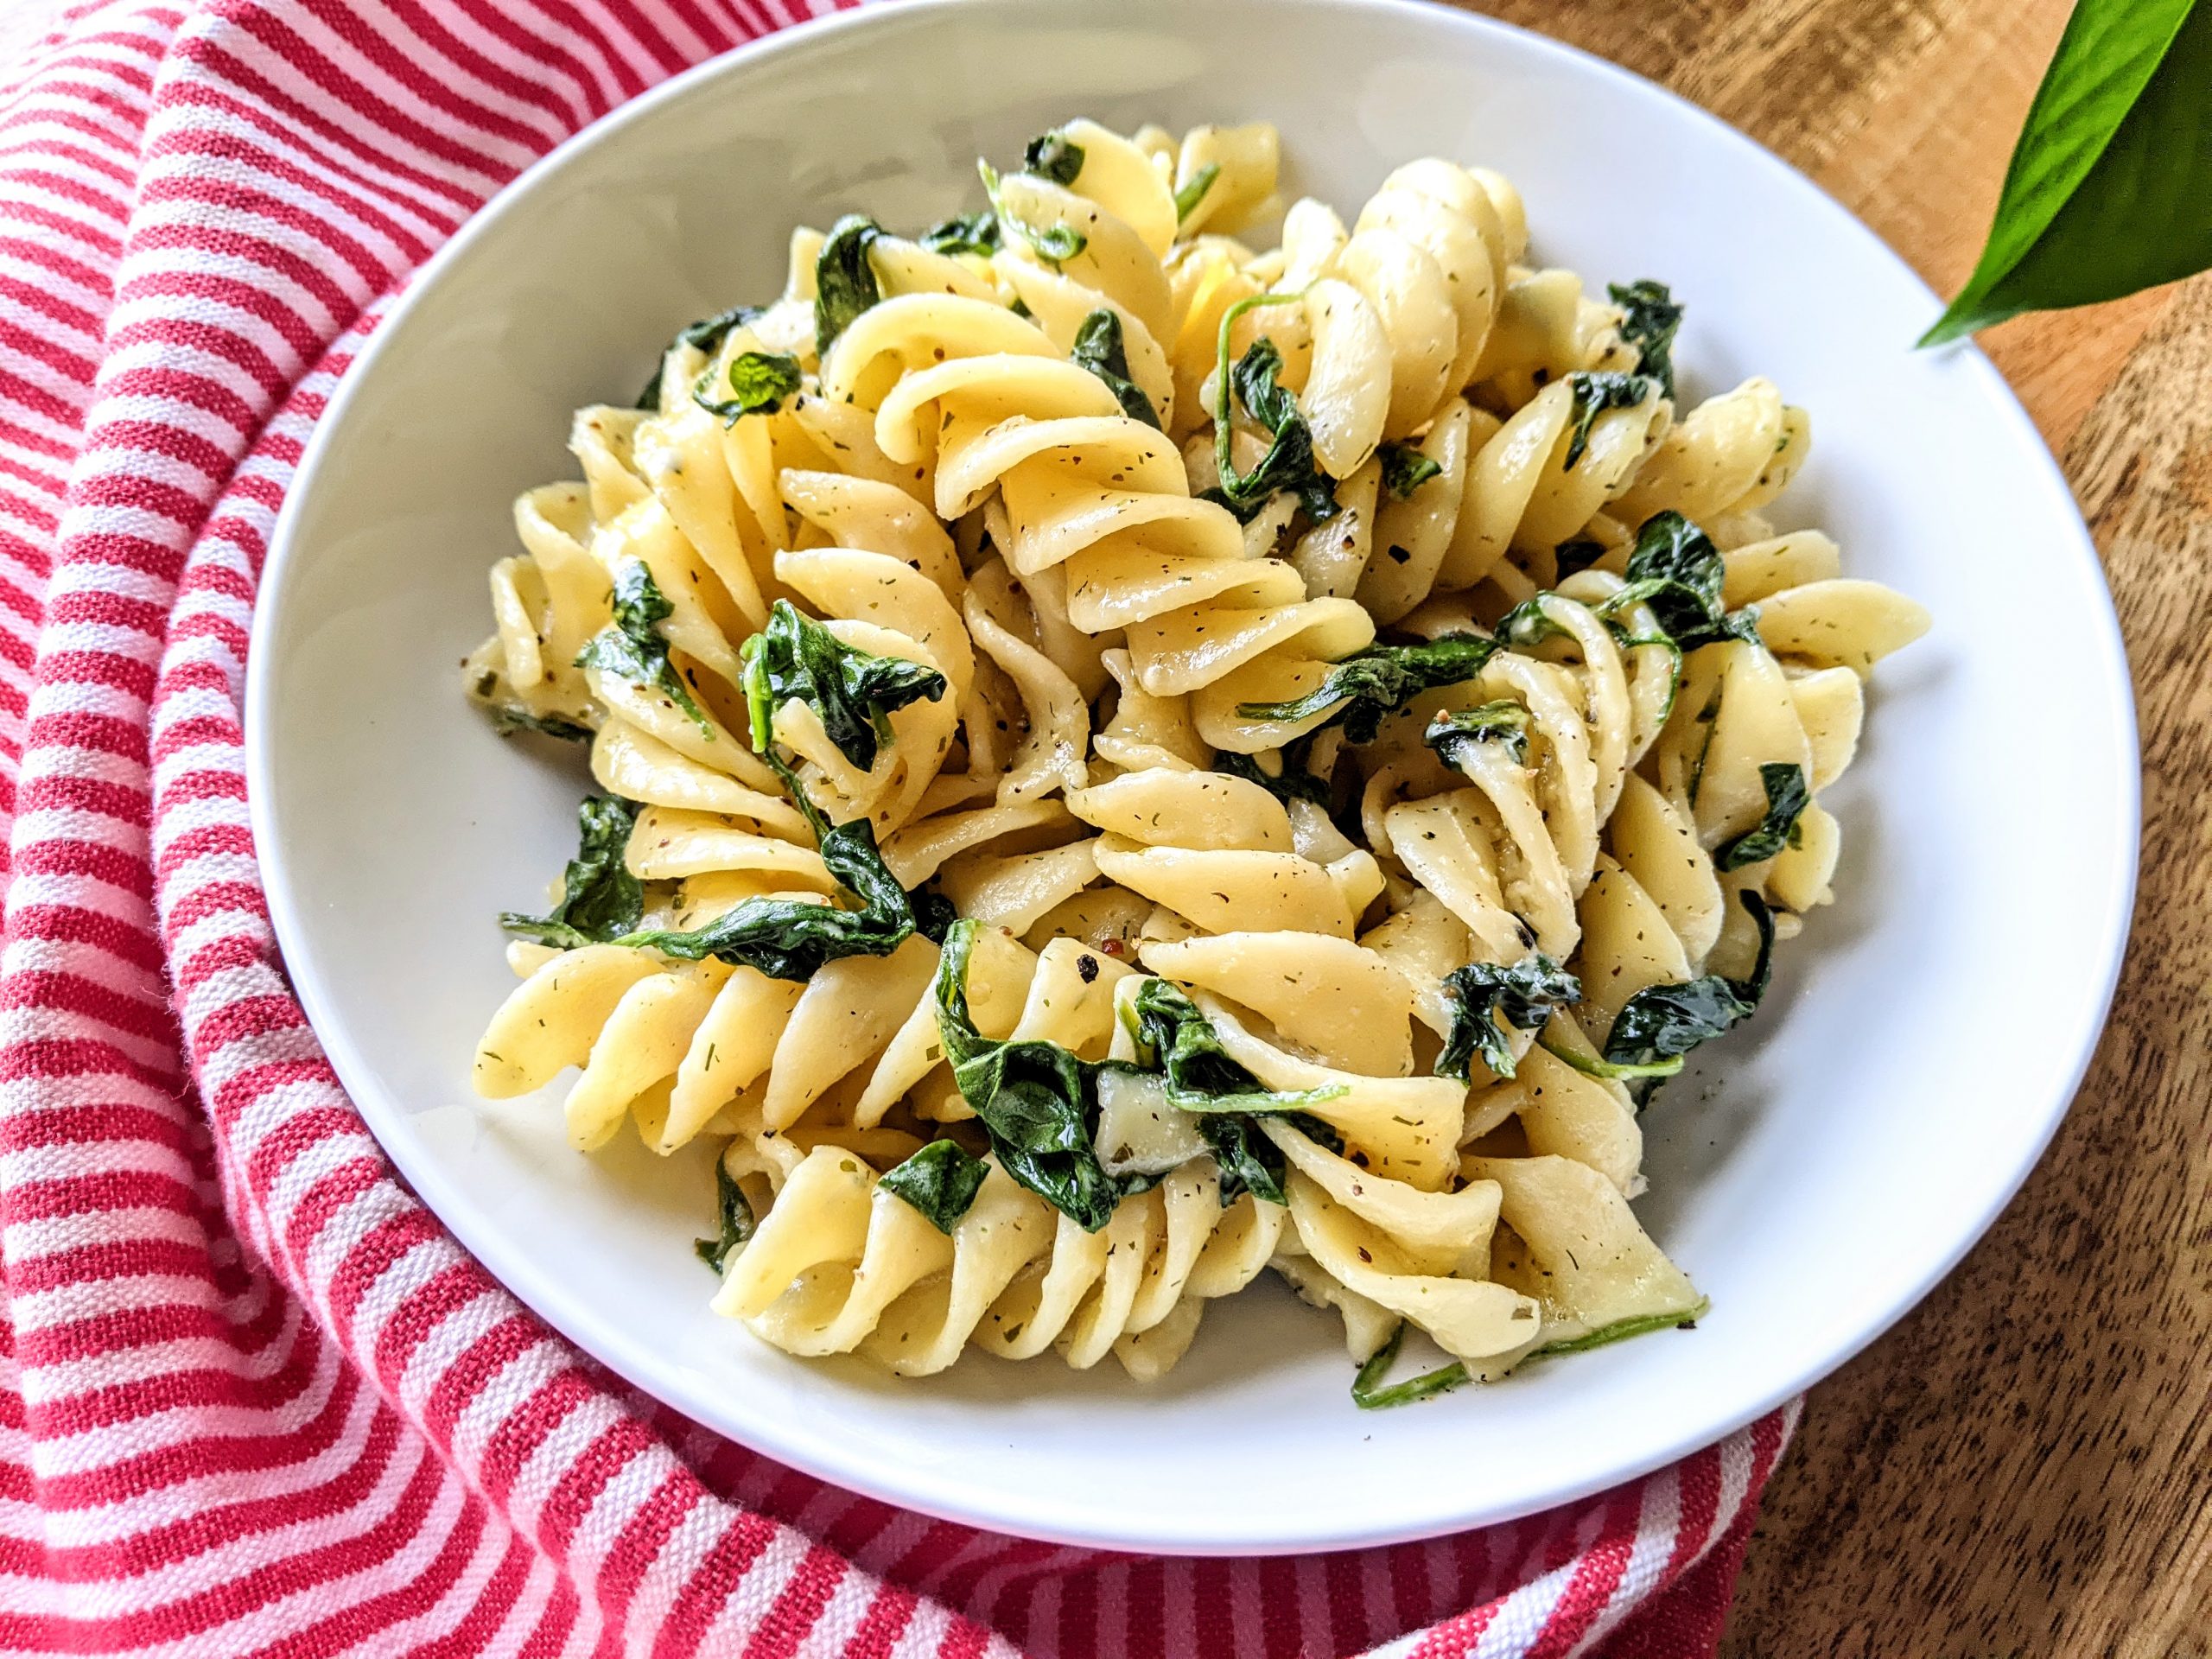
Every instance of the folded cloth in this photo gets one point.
(254, 1399)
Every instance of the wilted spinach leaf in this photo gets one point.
(1405, 469)
(1573, 556)
(708, 335)
(1194, 191)
(1787, 797)
(1289, 463)
(793, 938)
(1595, 392)
(1380, 680)
(1173, 1037)
(507, 717)
(851, 692)
(1053, 243)
(964, 233)
(736, 1219)
(1037, 1101)
(1523, 993)
(1100, 348)
(1453, 733)
(844, 279)
(1652, 319)
(1660, 1023)
(1053, 155)
(758, 381)
(1677, 571)
(941, 1180)
(599, 899)
(632, 646)
(1369, 1394)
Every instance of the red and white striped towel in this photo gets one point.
(253, 1399)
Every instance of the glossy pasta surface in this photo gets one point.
(1146, 735)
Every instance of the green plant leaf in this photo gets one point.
(1293, 783)
(1370, 1393)
(1595, 392)
(1194, 191)
(941, 1180)
(736, 1218)
(1454, 733)
(1099, 347)
(1787, 798)
(1523, 993)
(2109, 189)
(1660, 1023)
(1653, 316)
(852, 692)
(632, 646)
(844, 277)
(977, 233)
(1363, 688)
(1053, 155)
(758, 381)
(599, 899)
(1405, 469)
(1037, 1102)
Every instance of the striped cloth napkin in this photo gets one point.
(253, 1398)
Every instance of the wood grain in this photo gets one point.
(2024, 1466)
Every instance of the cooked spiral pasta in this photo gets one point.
(1129, 758)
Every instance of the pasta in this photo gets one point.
(1127, 758)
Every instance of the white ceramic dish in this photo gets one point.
(1817, 1174)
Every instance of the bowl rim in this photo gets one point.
(789, 1440)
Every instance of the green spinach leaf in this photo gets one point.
(1523, 993)
(508, 718)
(1787, 797)
(1100, 348)
(758, 382)
(1289, 463)
(1380, 680)
(708, 335)
(1037, 1102)
(1677, 571)
(844, 279)
(1055, 244)
(1194, 191)
(599, 899)
(941, 1180)
(1053, 155)
(1574, 557)
(1454, 734)
(1174, 1037)
(851, 692)
(977, 233)
(1370, 1394)
(794, 938)
(631, 647)
(736, 1218)
(1595, 392)
(1405, 469)
(1652, 319)
(2110, 187)
(1662, 1023)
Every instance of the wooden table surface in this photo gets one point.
(2024, 1466)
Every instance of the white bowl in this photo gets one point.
(1817, 1174)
